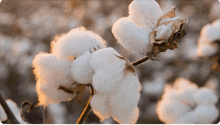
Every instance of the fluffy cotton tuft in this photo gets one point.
(208, 35)
(109, 70)
(145, 13)
(51, 73)
(124, 101)
(81, 69)
(205, 96)
(185, 103)
(76, 43)
(117, 89)
(131, 36)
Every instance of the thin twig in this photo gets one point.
(11, 118)
(140, 61)
(86, 109)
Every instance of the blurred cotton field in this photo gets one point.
(181, 76)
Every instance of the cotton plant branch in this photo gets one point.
(11, 118)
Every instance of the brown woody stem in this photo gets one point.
(86, 109)
(11, 118)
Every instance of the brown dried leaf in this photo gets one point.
(169, 14)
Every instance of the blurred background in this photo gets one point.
(28, 27)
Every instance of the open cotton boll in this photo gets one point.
(81, 69)
(48, 94)
(124, 102)
(205, 114)
(163, 32)
(170, 111)
(205, 96)
(131, 36)
(109, 70)
(145, 13)
(76, 42)
(100, 106)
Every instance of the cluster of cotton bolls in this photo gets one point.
(185, 103)
(15, 110)
(80, 57)
(208, 42)
(146, 26)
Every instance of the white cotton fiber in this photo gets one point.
(48, 68)
(211, 31)
(48, 94)
(76, 42)
(206, 50)
(51, 73)
(124, 102)
(205, 114)
(57, 113)
(145, 13)
(131, 36)
(109, 70)
(188, 118)
(205, 96)
(170, 111)
(81, 69)
(184, 90)
(100, 106)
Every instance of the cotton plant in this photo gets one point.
(53, 70)
(147, 30)
(185, 103)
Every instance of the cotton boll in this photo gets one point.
(124, 102)
(76, 42)
(145, 13)
(131, 36)
(81, 69)
(205, 96)
(212, 32)
(170, 111)
(100, 106)
(205, 114)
